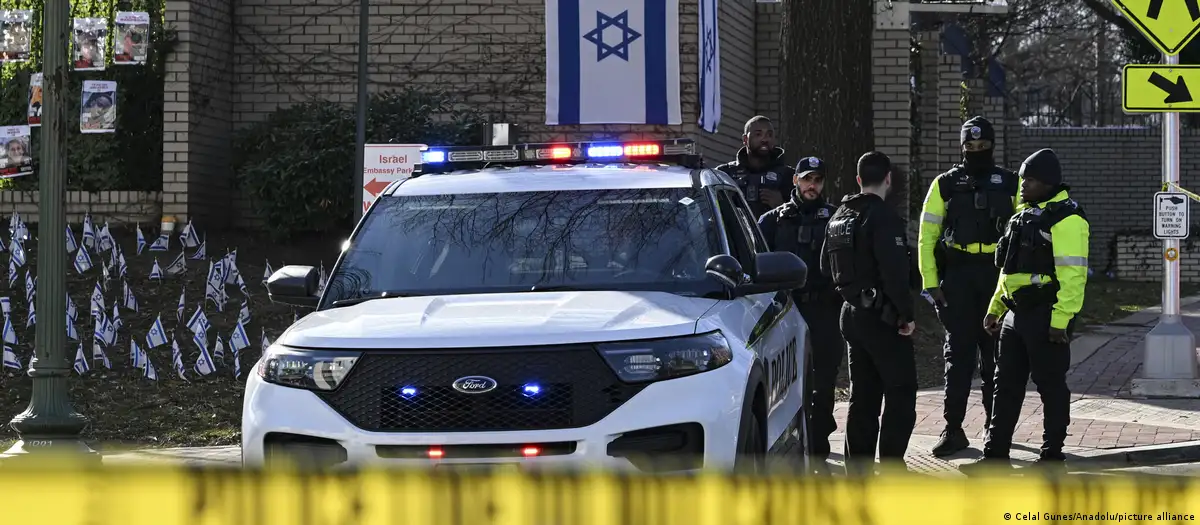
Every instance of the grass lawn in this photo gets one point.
(127, 410)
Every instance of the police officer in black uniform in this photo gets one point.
(963, 217)
(759, 169)
(798, 226)
(866, 253)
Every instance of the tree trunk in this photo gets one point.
(825, 96)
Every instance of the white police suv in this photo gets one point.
(579, 304)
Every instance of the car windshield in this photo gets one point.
(655, 239)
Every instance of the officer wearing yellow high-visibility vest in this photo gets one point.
(1043, 258)
(964, 215)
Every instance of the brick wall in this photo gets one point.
(116, 207)
(1113, 173)
(892, 98)
(196, 113)
(738, 82)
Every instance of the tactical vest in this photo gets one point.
(977, 208)
(802, 232)
(850, 264)
(1027, 245)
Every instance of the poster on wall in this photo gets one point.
(98, 110)
(16, 27)
(88, 43)
(131, 37)
(35, 100)
(15, 160)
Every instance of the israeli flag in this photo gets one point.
(244, 313)
(151, 374)
(71, 246)
(267, 272)
(5, 306)
(710, 65)
(198, 323)
(89, 233)
(136, 355)
(72, 311)
(219, 350)
(612, 62)
(155, 271)
(18, 252)
(158, 335)
(10, 334)
(161, 244)
(177, 360)
(31, 319)
(201, 252)
(72, 333)
(129, 300)
(98, 354)
(83, 262)
(237, 341)
(10, 359)
(141, 239)
(81, 363)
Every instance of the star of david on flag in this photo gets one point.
(612, 62)
(710, 66)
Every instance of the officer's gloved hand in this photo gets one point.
(939, 298)
(991, 323)
(1059, 336)
(773, 199)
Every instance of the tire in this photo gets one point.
(751, 447)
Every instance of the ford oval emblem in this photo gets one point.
(474, 384)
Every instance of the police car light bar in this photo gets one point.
(675, 151)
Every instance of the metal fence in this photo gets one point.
(1082, 106)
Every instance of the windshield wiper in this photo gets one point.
(356, 300)
(556, 288)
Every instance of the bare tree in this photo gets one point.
(825, 98)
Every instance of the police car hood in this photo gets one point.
(495, 320)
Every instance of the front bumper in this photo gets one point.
(712, 401)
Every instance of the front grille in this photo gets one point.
(577, 389)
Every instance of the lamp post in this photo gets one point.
(50, 423)
(364, 25)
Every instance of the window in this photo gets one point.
(749, 223)
(735, 230)
(655, 239)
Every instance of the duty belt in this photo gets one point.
(1032, 296)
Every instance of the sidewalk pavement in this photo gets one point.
(1110, 428)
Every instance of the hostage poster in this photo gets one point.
(88, 43)
(14, 146)
(131, 37)
(98, 110)
(17, 30)
(35, 100)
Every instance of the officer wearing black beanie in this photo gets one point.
(1043, 258)
(963, 217)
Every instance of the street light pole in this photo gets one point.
(50, 423)
(364, 24)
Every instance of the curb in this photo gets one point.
(1151, 455)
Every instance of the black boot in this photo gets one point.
(953, 441)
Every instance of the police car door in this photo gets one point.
(775, 333)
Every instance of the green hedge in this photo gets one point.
(131, 158)
(296, 166)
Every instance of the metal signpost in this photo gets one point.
(1170, 367)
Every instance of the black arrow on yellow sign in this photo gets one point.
(1176, 91)
(1155, 8)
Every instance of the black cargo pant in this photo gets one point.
(883, 372)
(1026, 352)
(968, 284)
(822, 312)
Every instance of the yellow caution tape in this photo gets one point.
(1167, 186)
(226, 497)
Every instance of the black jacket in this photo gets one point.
(890, 266)
(777, 176)
(798, 226)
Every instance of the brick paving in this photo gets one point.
(1104, 376)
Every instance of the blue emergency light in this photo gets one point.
(676, 151)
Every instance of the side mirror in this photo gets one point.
(725, 269)
(775, 272)
(294, 285)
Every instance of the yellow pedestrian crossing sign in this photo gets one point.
(1168, 24)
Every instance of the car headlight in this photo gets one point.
(308, 369)
(659, 359)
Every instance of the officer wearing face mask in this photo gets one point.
(1044, 261)
(964, 216)
(759, 169)
(798, 226)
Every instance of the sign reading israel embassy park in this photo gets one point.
(384, 164)
(1162, 88)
